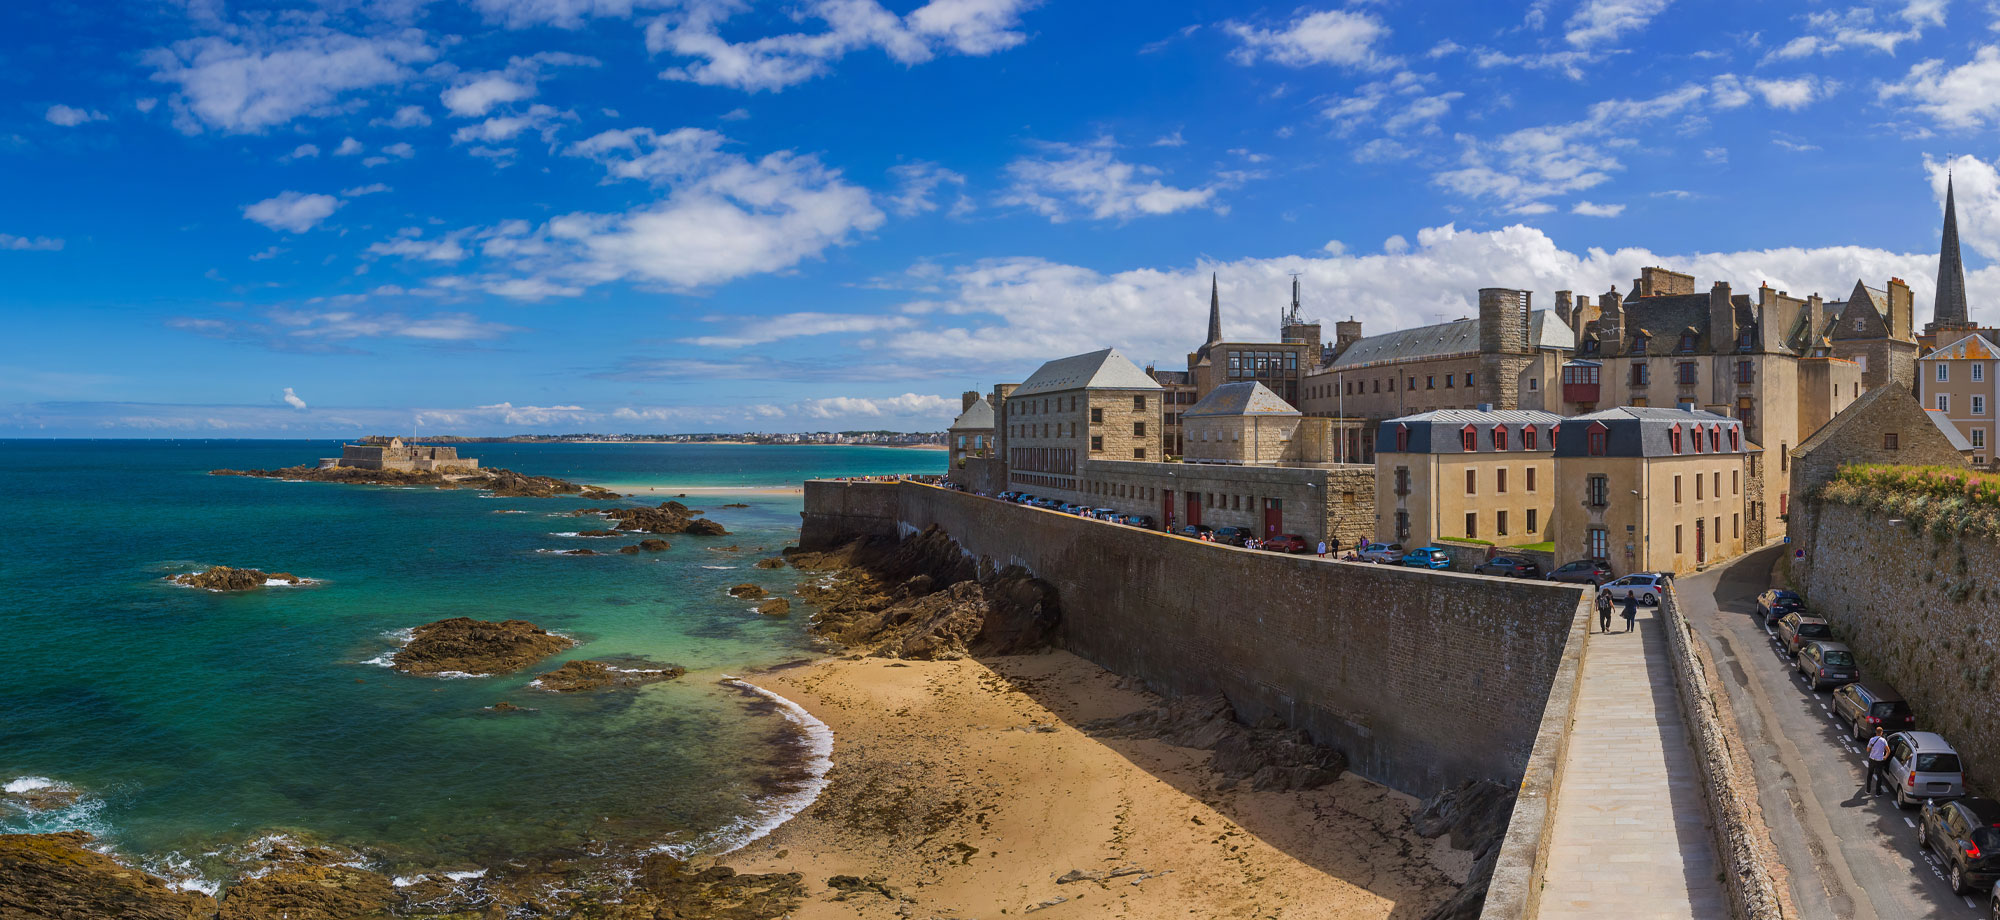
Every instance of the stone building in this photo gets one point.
(1279, 366)
(1328, 502)
(393, 454)
(1467, 475)
(1652, 490)
(971, 434)
(1095, 406)
(1960, 387)
(1247, 424)
(1178, 393)
(1876, 329)
(1509, 357)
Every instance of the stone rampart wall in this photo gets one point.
(1425, 679)
(1920, 613)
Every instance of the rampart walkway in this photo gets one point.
(1630, 839)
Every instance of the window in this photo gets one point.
(1674, 438)
(1402, 525)
(1413, 384)
(1531, 488)
(1978, 373)
(1138, 429)
(1499, 437)
(1697, 487)
(1943, 372)
(1598, 494)
(1430, 383)
(1978, 405)
(1378, 385)
(1745, 372)
(1138, 453)
(1641, 375)
(1639, 343)
(1715, 439)
(1677, 538)
(1716, 529)
(1746, 340)
(1735, 482)
(1138, 403)
(1472, 525)
(1598, 439)
(1402, 480)
(1097, 442)
(1530, 438)
(1402, 439)
(1735, 438)
(1685, 374)
(1500, 523)
(1447, 381)
(1978, 438)
(1534, 384)
(1500, 479)
(1097, 416)
(1677, 490)
(1472, 482)
(1469, 439)
(1784, 456)
(1735, 525)
(1468, 379)
(1600, 543)
(1944, 402)
(1531, 520)
(1687, 343)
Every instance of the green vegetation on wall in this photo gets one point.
(1946, 502)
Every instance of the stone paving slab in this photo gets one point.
(1630, 838)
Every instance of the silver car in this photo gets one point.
(1646, 586)
(1922, 765)
(1382, 553)
(1824, 663)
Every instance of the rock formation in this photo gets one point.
(470, 646)
(669, 517)
(654, 546)
(1475, 815)
(57, 876)
(775, 607)
(310, 892)
(578, 552)
(39, 796)
(597, 533)
(579, 676)
(505, 483)
(925, 598)
(1266, 754)
(774, 562)
(747, 592)
(224, 578)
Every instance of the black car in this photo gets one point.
(1868, 705)
(1196, 530)
(1234, 536)
(1508, 565)
(1583, 572)
(1965, 834)
(1777, 602)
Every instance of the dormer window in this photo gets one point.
(1469, 439)
(1529, 441)
(1746, 340)
(1499, 437)
(1590, 346)
(1736, 438)
(1599, 440)
(1674, 437)
(1639, 343)
(1687, 343)
(1715, 439)
(1402, 439)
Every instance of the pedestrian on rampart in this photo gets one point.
(1603, 611)
(1631, 610)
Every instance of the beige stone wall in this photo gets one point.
(1436, 503)
(1373, 398)
(1959, 388)
(1089, 424)
(1313, 503)
(1641, 528)
(1238, 439)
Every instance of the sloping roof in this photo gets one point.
(1950, 352)
(1173, 378)
(1442, 430)
(1951, 432)
(1853, 411)
(978, 417)
(1641, 431)
(1443, 340)
(1246, 398)
(1097, 370)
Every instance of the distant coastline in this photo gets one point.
(934, 440)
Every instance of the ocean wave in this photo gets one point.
(772, 812)
(85, 812)
(401, 637)
(29, 784)
(718, 567)
(595, 536)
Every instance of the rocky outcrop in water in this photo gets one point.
(578, 552)
(747, 592)
(1475, 815)
(668, 517)
(56, 876)
(924, 598)
(774, 562)
(775, 607)
(470, 646)
(1267, 754)
(311, 892)
(224, 578)
(505, 483)
(37, 794)
(581, 676)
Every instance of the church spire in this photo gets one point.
(1214, 311)
(1949, 307)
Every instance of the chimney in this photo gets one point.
(1721, 319)
(1611, 322)
(1902, 314)
(1686, 407)
(1345, 333)
(970, 397)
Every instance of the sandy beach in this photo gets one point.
(967, 788)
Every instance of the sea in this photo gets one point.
(195, 727)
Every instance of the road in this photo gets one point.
(1851, 857)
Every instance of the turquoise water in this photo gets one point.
(193, 721)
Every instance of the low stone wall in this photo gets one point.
(1515, 890)
(1752, 875)
(1424, 679)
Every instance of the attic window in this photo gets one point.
(1599, 439)
(1715, 439)
(1469, 439)
(1499, 437)
(1402, 439)
(1528, 439)
(1639, 342)
(1687, 343)
(1745, 340)
(1674, 437)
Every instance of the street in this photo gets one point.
(1849, 855)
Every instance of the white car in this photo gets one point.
(1646, 587)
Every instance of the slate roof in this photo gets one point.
(1097, 370)
(1951, 433)
(1642, 431)
(1950, 352)
(1246, 398)
(1441, 431)
(977, 418)
(1854, 410)
(1444, 340)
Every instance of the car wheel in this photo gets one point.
(1957, 879)
(1924, 834)
(1650, 600)
(1901, 803)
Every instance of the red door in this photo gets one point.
(1274, 517)
(1167, 502)
(1193, 508)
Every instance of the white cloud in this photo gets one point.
(348, 147)
(145, 105)
(798, 325)
(1383, 150)
(479, 95)
(1792, 94)
(1599, 21)
(372, 188)
(400, 150)
(67, 117)
(1171, 140)
(410, 245)
(252, 78)
(29, 243)
(1962, 97)
(905, 405)
(970, 27)
(292, 399)
(1421, 115)
(1831, 31)
(1344, 38)
(500, 128)
(1568, 63)
(292, 211)
(1589, 209)
(1072, 178)
(1523, 167)
(303, 151)
(318, 327)
(563, 14)
(920, 181)
(409, 116)
(1727, 92)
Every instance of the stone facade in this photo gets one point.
(970, 435)
(1961, 381)
(1423, 679)
(1430, 487)
(395, 455)
(1633, 490)
(1094, 406)
(1335, 502)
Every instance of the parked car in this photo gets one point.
(1234, 536)
(1646, 586)
(1923, 765)
(1381, 553)
(1104, 514)
(1007, 496)
(1778, 602)
(1965, 834)
(1139, 520)
(1582, 572)
(1824, 662)
(1049, 503)
(1509, 565)
(1288, 543)
(1427, 557)
(1196, 530)
(1795, 628)
(1868, 705)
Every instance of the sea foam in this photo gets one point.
(771, 813)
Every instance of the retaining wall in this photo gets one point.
(1424, 679)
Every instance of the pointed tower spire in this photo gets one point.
(1215, 310)
(1949, 307)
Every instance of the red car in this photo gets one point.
(1287, 543)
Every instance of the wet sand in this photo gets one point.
(968, 788)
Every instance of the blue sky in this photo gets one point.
(497, 216)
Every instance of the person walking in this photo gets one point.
(1603, 611)
(1322, 549)
(1631, 611)
(1878, 763)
